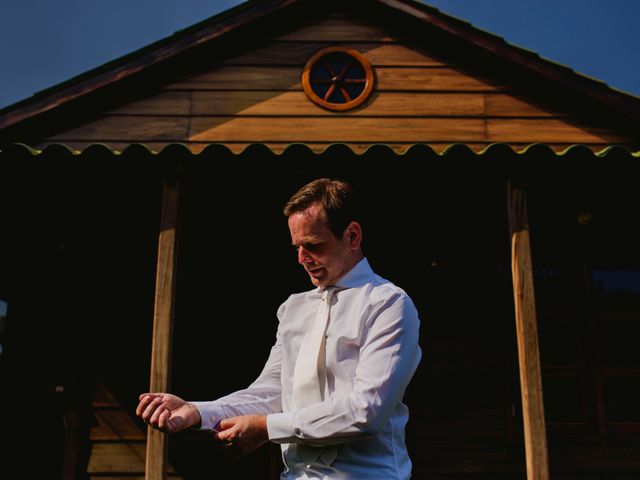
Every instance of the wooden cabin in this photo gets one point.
(143, 245)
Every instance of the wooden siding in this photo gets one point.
(117, 444)
(257, 97)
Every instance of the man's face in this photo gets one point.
(324, 257)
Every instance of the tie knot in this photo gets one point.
(329, 293)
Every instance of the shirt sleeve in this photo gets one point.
(263, 396)
(388, 359)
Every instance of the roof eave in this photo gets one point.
(139, 60)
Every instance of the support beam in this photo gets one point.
(535, 438)
(157, 442)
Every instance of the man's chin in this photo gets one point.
(316, 281)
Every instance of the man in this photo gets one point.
(331, 391)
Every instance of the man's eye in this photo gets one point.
(309, 247)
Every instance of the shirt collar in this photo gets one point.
(356, 277)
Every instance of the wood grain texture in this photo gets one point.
(164, 103)
(503, 105)
(288, 78)
(296, 103)
(338, 30)
(157, 442)
(129, 129)
(547, 131)
(297, 54)
(338, 129)
(535, 437)
(117, 457)
(433, 79)
(115, 425)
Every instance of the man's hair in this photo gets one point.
(338, 199)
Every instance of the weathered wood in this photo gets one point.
(433, 79)
(129, 129)
(297, 53)
(115, 425)
(535, 437)
(243, 103)
(338, 129)
(563, 77)
(270, 77)
(503, 105)
(338, 30)
(166, 103)
(157, 442)
(547, 131)
(117, 458)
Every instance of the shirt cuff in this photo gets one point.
(210, 415)
(280, 427)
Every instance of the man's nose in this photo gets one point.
(303, 256)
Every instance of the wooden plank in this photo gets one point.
(244, 78)
(337, 129)
(297, 54)
(239, 77)
(296, 103)
(547, 131)
(117, 458)
(157, 442)
(502, 105)
(433, 79)
(128, 129)
(165, 103)
(535, 437)
(115, 425)
(338, 30)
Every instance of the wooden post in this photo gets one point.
(535, 438)
(157, 442)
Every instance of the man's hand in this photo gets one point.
(167, 413)
(243, 434)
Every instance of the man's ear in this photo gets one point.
(354, 232)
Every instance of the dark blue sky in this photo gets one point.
(44, 42)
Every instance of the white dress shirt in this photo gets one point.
(372, 352)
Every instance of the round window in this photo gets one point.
(338, 78)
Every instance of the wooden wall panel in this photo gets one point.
(546, 131)
(250, 78)
(130, 128)
(297, 54)
(339, 129)
(117, 457)
(503, 105)
(410, 104)
(115, 425)
(338, 30)
(257, 97)
(166, 103)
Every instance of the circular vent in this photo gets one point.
(337, 78)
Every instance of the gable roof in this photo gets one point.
(231, 23)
